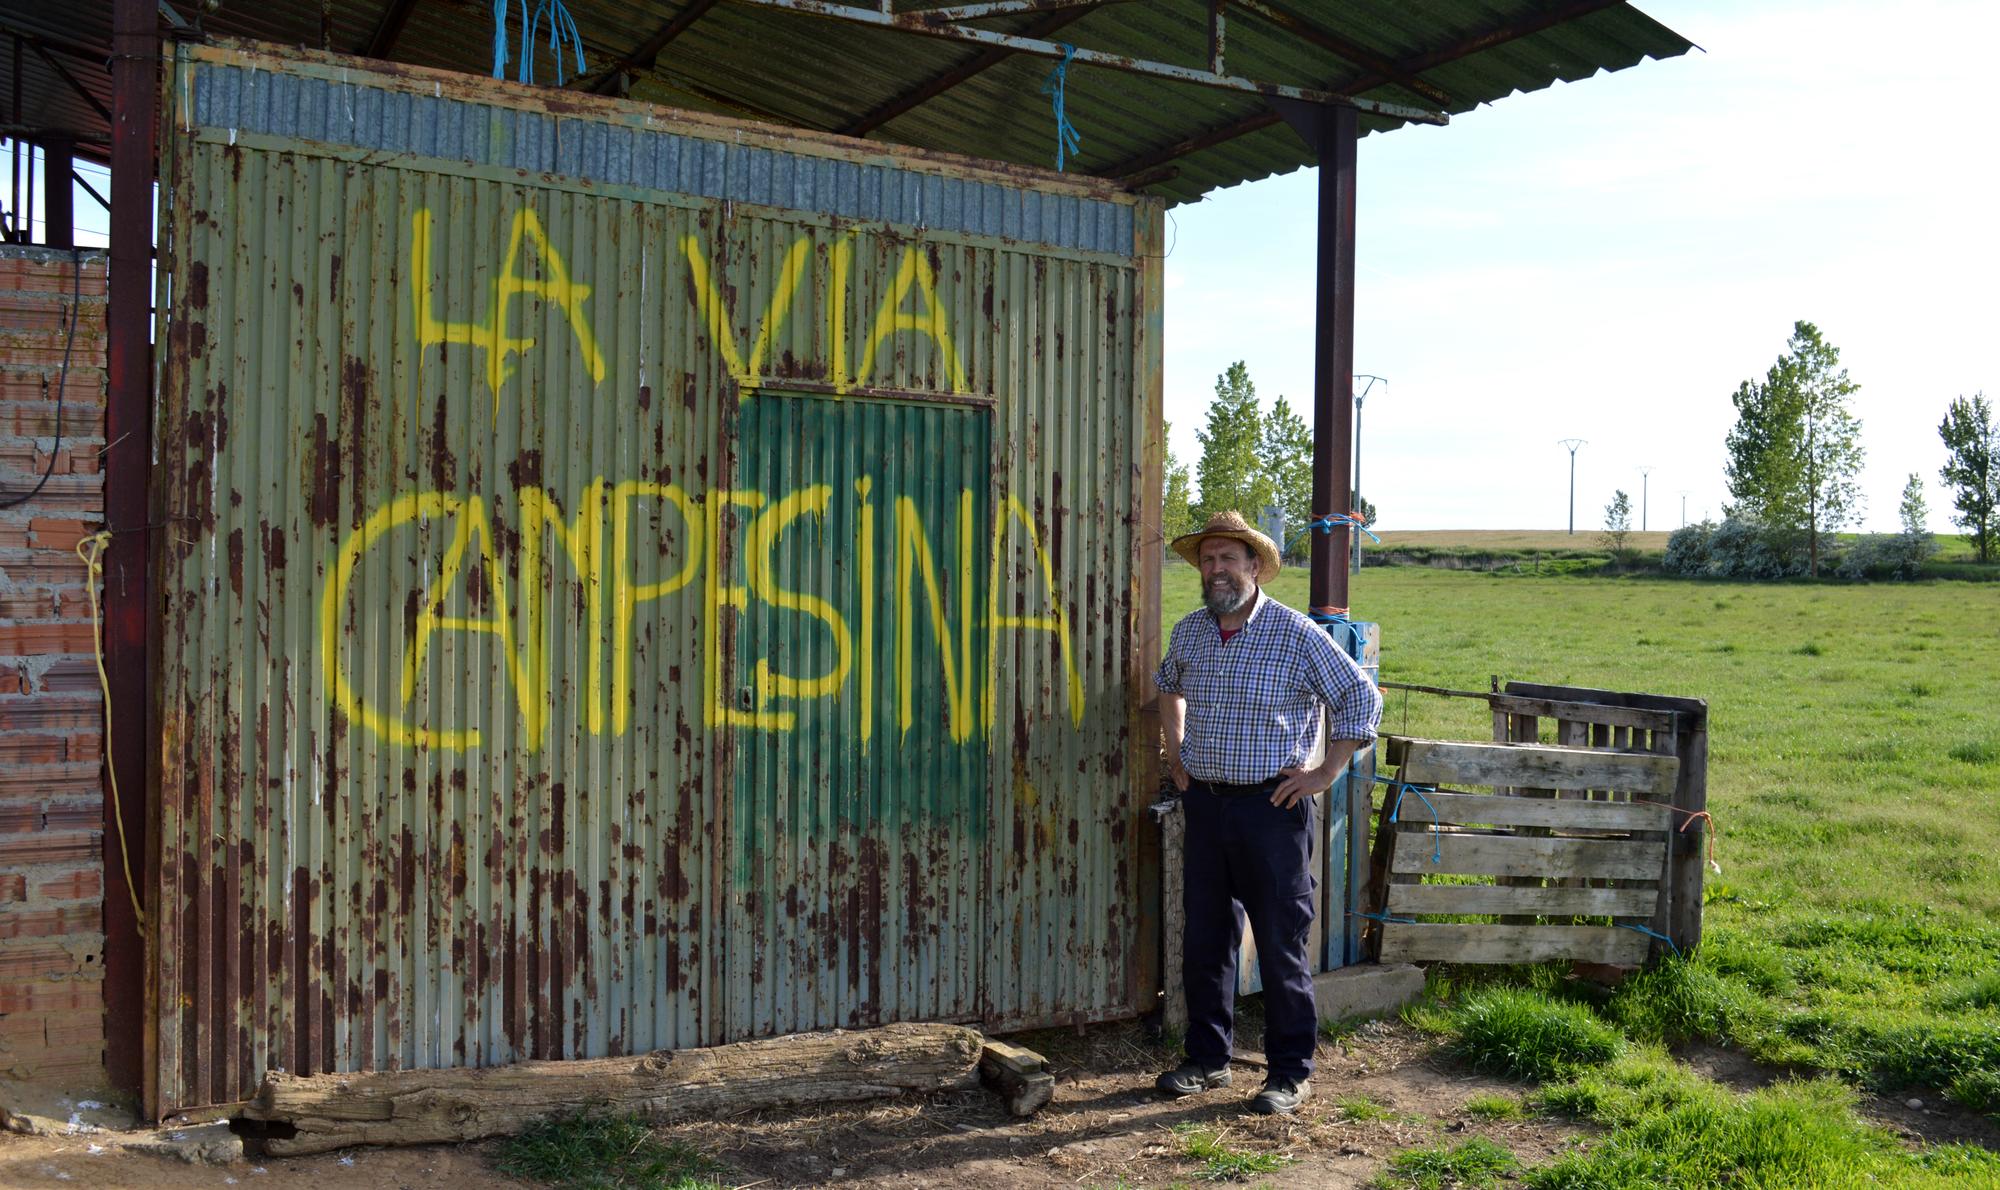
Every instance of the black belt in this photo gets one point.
(1226, 789)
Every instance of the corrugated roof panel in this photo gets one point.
(821, 74)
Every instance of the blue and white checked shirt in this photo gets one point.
(1253, 701)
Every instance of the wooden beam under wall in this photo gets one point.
(1410, 67)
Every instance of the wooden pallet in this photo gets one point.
(1567, 834)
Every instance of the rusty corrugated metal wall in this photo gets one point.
(634, 582)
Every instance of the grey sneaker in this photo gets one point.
(1191, 1078)
(1281, 1096)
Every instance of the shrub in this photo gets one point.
(1886, 556)
(1687, 550)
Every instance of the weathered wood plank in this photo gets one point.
(1405, 899)
(1439, 762)
(1426, 942)
(1503, 855)
(405, 1107)
(1566, 814)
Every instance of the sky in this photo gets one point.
(1609, 259)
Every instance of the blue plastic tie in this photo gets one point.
(1054, 86)
(1357, 635)
(1332, 520)
(1650, 934)
(1396, 809)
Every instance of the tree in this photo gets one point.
(1916, 545)
(1617, 523)
(1972, 469)
(1287, 450)
(1795, 449)
(1230, 471)
(1176, 510)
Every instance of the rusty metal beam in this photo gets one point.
(998, 8)
(938, 84)
(62, 73)
(1339, 46)
(648, 51)
(389, 29)
(1412, 66)
(922, 25)
(129, 613)
(58, 193)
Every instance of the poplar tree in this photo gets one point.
(1230, 472)
(1288, 458)
(1972, 469)
(1176, 510)
(1795, 449)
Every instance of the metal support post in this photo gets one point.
(58, 193)
(1333, 355)
(128, 982)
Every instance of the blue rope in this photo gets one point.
(1054, 86)
(1408, 921)
(1331, 520)
(1357, 635)
(500, 39)
(1650, 934)
(1396, 809)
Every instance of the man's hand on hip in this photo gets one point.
(1299, 784)
(1177, 774)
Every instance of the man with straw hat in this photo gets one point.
(1241, 693)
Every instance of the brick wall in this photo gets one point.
(51, 714)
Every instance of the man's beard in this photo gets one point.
(1224, 594)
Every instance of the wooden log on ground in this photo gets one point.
(413, 1107)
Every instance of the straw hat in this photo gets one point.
(1231, 524)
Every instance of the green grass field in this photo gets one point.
(1854, 776)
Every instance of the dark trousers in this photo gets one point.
(1244, 857)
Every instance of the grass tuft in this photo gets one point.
(1809, 649)
(1524, 1034)
(1474, 1165)
(1221, 1162)
(1978, 991)
(1496, 1107)
(1360, 1108)
(1680, 1000)
(600, 1151)
(1976, 752)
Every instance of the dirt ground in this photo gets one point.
(1105, 1124)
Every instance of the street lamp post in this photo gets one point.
(1644, 472)
(1570, 444)
(1684, 509)
(1354, 505)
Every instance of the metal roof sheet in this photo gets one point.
(807, 71)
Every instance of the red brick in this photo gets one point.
(36, 274)
(84, 747)
(13, 886)
(72, 675)
(53, 534)
(80, 419)
(73, 815)
(79, 496)
(82, 884)
(50, 780)
(80, 1032)
(44, 712)
(40, 640)
(12, 681)
(69, 995)
(25, 960)
(41, 605)
(84, 386)
(33, 749)
(13, 535)
(19, 818)
(50, 847)
(50, 921)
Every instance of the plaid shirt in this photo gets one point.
(1253, 701)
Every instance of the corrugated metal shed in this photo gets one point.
(614, 603)
(1180, 140)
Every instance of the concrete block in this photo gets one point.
(1367, 990)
